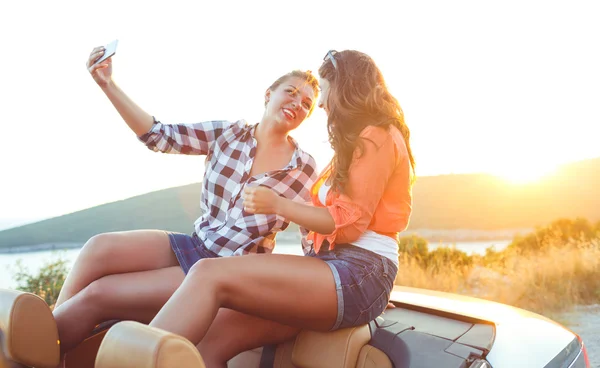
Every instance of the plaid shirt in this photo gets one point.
(224, 227)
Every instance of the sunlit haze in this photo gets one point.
(508, 88)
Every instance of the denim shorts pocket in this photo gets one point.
(377, 307)
(385, 267)
(385, 283)
(390, 271)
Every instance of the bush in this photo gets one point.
(444, 256)
(417, 249)
(47, 283)
(548, 271)
(414, 247)
(563, 230)
(548, 281)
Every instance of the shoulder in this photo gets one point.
(307, 162)
(377, 135)
(235, 126)
(305, 159)
(310, 166)
(383, 142)
(232, 129)
(381, 135)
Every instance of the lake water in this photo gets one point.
(33, 261)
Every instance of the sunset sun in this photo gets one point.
(525, 173)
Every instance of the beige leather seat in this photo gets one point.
(345, 348)
(29, 329)
(134, 345)
(131, 344)
(31, 338)
(371, 357)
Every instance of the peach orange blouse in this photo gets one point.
(378, 194)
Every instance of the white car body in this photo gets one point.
(522, 338)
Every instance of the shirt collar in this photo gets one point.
(296, 160)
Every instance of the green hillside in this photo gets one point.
(173, 209)
(470, 201)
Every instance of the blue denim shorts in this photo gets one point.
(189, 249)
(363, 281)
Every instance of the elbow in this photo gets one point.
(326, 228)
(329, 226)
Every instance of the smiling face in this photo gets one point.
(289, 103)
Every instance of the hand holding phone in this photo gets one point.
(109, 50)
(102, 73)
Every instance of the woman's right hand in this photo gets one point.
(260, 200)
(101, 72)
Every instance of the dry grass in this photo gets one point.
(548, 281)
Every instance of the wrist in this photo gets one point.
(108, 85)
(281, 206)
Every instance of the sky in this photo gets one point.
(510, 88)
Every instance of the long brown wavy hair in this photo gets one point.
(358, 97)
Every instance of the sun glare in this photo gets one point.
(525, 174)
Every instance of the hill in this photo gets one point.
(480, 201)
(173, 209)
(445, 202)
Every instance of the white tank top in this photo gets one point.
(369, 240)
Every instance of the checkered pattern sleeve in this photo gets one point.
(188, 139)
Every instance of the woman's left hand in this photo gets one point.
(260, 200)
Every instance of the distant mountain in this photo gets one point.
(445, 202)
(7, 223)
(481, 201)
(173, 209)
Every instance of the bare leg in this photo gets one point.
(292, 290)
(134, 296)
(120, 252)
(233, 332)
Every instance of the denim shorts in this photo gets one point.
(363, 281)
(189, 249)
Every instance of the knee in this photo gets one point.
(98, 248)
(205, 269)
(209, 274)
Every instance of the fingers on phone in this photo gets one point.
(93, 57)
(96, 53)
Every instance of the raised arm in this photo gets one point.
(137, 119)
(194, 139)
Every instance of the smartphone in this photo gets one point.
(109, 50)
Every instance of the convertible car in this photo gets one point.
(426, 329)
